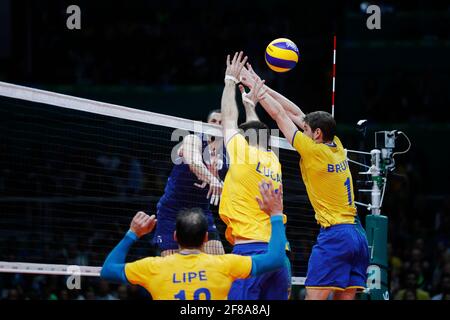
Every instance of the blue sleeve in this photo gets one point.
(114, 266)
(275, 256)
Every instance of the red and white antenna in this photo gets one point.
(334, 77)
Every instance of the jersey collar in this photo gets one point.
(186, 252)
(331, 144)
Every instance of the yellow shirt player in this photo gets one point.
(248, 228)
(339, 259)
(192, 274)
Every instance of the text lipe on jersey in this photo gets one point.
(184, 277)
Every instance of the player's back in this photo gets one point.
(238, 208)
(328, 180)
(193, 276)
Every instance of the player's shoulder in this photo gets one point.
(237, 137)
(149, 264)
(228, 257)
(153, 260)
(234, 258)
(337, 141)
(301, 140)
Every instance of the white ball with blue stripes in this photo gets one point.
(282, 55)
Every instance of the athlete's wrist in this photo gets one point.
(229, 79)
(276, 216)
(131, 234)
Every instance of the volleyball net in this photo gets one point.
(73, 172)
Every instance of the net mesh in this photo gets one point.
(71, 181)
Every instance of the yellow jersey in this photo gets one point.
(328, 180)
(238, 207)
(197, 276)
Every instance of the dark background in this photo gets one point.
(168, 57)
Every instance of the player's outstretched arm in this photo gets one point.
(248, 77)
(293, 111)
(278, 114)
(249, 100)
(272, 204)
(229, 107)
(114, 266)
(192, 154)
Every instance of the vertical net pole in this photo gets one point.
(334, 76)
(376, 229)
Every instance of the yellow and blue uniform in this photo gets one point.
(239, 210)
(192, 274)
(238, 207)
(188, 277)
(340, 258)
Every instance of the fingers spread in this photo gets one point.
(239, 56)
(217, 200)
(234, 58)
(243, 62)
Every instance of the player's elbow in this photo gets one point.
(111, 273)
(105, 272)
(279, 260)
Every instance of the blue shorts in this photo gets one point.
(275, 285)
(166, 224)
(340, 258)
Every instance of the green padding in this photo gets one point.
(376, 229)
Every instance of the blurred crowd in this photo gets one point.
(23, 287)
(419, 252)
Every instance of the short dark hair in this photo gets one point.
(324, 121)
(191, 227)
(211, 113)
(261, 132)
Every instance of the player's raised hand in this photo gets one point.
(251, 98)
(142, 223)
(215, 191)
(234, 66)
(272, 200)
(248, 76)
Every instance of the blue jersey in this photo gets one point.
(182, 188)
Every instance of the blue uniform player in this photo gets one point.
(200, 162)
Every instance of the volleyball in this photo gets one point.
(281, 55)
